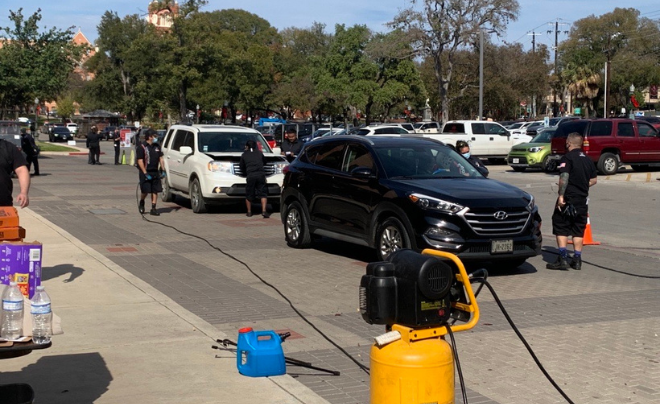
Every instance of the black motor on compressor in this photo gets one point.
(409, 289)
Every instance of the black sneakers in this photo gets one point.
(249, 214)
(561, 263)
(154, 212)
(576, 263)
(266, 215)
(141, 207)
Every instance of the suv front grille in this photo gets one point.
(268, 168)
(484, 223)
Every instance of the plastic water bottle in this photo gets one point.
(41, 316)
(12, 307)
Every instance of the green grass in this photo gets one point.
(54, 148)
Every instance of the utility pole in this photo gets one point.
(534, 34)
(481, 74)
(556, 31)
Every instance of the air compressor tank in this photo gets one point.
(412, 372)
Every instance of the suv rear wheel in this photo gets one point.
(608, 164)
(296, 229)
(391, 236)
(196, 199)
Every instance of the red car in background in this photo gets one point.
(653, 120)
(270, 139)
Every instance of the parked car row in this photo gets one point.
(608, 142)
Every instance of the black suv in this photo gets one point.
(405, 192)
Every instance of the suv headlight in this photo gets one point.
(220, 167)
(536, 149)
(427, 202)
(279, 166)
(530, 199)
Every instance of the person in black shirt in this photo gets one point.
(12, 160)
(463, 148)
(149, 156)
(94, 145)
(576, 174)
(31, 150)
(117, 144)
(252, 165)
(292, 146)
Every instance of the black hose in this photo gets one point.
(529, 348)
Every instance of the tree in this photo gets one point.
(444, 27)
(65, 106)
(114, 70)
(618, 40)
(34, 64)
(372, 73)
(297, 59)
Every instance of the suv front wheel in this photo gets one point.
(196, 199)
(391, 236)
(296, 229)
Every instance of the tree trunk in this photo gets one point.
(183, 111)
(367, 112)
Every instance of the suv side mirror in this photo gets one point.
(362, 172)
(503, 132)
(185, 150)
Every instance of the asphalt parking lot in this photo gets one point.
(595, 330)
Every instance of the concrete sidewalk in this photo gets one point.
(126, 342)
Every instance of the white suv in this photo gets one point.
(202, 163)
(383, 129)
(73, 128)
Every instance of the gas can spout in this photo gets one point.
(387, 338)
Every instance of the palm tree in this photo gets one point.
(583, 84)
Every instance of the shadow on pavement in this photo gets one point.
(59, 270)
(65, 379)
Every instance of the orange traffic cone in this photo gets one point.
(587, 239)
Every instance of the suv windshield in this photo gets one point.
(229, 142)
(422, 161)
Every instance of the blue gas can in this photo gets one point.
(259, 353)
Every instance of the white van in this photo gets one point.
(487, 139)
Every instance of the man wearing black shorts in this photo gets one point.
(576, 174)
(252, 165)
(149, 156)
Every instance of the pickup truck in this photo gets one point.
(611, 143)
(487, 139)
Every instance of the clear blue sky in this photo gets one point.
(535, 15)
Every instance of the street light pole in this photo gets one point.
(36, 113)
(198, 114)
(630, 97)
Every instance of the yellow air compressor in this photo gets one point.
(415, 295)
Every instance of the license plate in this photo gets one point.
(516, 161)
(501, 246)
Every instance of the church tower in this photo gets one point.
(162, 13)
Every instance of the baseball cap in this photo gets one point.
(462, 143)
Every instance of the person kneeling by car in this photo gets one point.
(149, 156)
